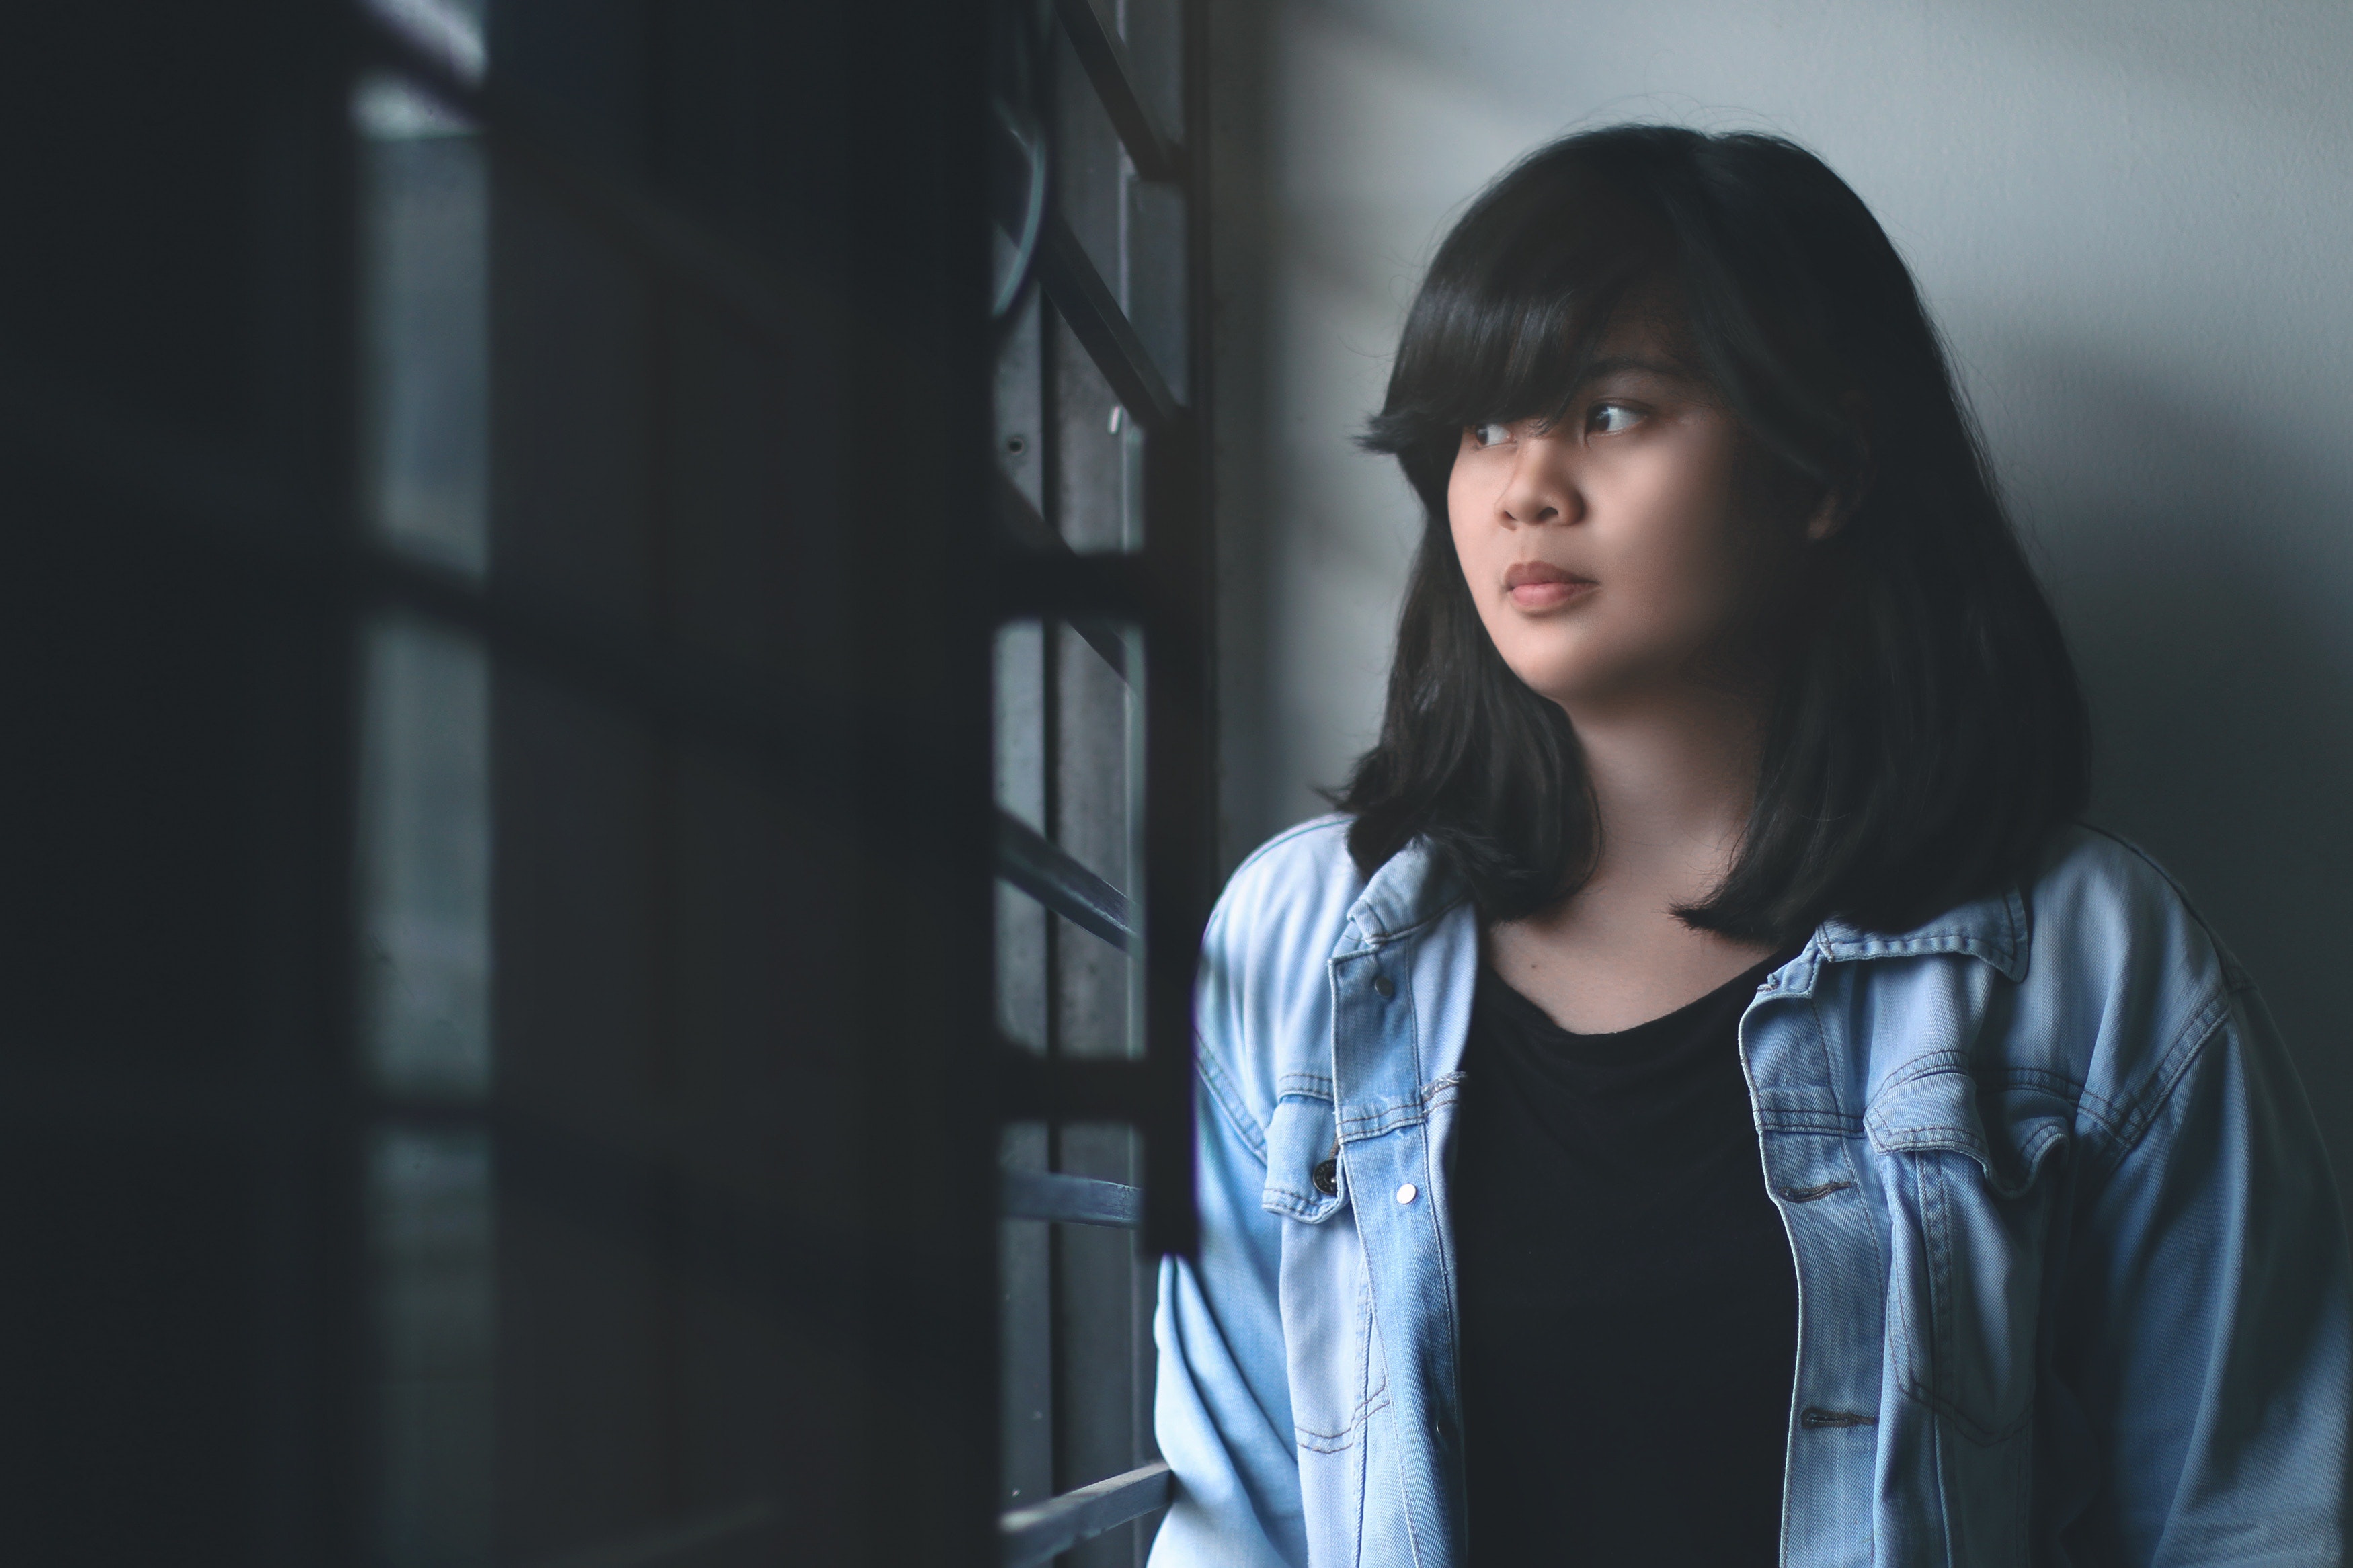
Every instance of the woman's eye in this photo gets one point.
(1490, 434)
(1610, 419)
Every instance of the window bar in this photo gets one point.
(1068, 1200)
(1039, 1534)
(1064, 583)
(1156, 156)
(1026, 531)
(1033, 1088)
(1091, 310)
(1048, 874)
(1180, 731)
(1180, 820)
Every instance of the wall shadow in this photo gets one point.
(2221, 683)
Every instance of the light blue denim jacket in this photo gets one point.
(2072, 1278)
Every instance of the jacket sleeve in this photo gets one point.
(1222, 1409)
(2210, 1328)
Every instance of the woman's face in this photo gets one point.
(1641, 542)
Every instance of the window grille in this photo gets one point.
(1104, 777)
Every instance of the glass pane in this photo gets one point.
(424, 877)
(1021, 923)
(1133, 231)
(1098, 817)
(1089, 162)
(1103, 1375)
(1151, 286)
(1154, 31)
(1098, 458)
(425, 920)
(430, 1218)
(425, 872)
(1020, 405)
(423, 342)
(1025, 1335)
(1070, 765)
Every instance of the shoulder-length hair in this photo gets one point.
(1927, 732)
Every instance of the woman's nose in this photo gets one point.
(1540, 489)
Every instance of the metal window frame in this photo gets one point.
(1165, 591)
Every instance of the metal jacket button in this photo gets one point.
(1326, 1177)
(1384, 987)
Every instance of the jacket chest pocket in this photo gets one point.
(1971, 1225)
(1324, 1293)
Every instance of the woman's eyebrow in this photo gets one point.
(1619, 364)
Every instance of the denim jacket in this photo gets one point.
(2072, 1278)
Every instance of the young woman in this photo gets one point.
(1705, 1100)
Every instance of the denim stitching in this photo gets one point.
(1383, 1116)
(1364, 1485)
(1822, 1043)
(1380, 937)
(1227, 1098)
(1937, 1395)
(1936, 1230)
(1787, 1119)
(1334, 1442)
(1925, 1064)
(2179, 1058)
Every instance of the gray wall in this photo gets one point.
(2131, 221)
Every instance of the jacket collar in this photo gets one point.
(1997, 929)
(1407, 892)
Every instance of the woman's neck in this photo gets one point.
(1673, 779)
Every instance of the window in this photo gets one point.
(1102, 769)
(555, 850)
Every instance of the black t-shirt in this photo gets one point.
(1628, 1307)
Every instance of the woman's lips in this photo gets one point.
(1541, 585)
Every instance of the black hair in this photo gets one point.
(1927, 732)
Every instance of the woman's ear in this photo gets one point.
(1838, 501)
(1829, 514)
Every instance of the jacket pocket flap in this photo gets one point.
(1302, 1159)
(1940, 1107)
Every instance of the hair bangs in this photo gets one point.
(1512, 313)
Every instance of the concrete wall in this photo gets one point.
(2133, 221)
